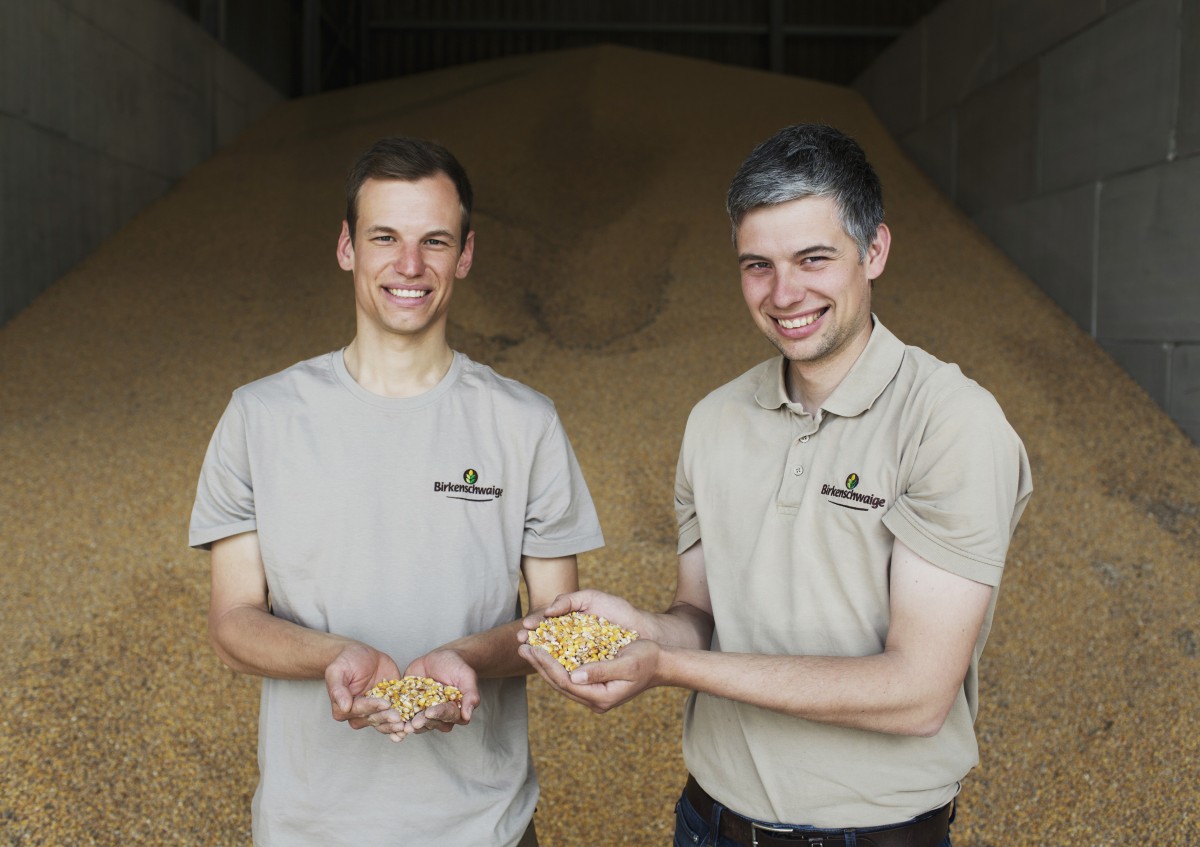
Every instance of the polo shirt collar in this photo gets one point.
(866, 380)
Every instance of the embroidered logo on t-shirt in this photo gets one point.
(467, 489)
(849, 493)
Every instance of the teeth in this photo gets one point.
(406, 292)
(799, 322)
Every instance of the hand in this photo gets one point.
(355, 670)
(600, 685)
(615, 609)
(449, 668)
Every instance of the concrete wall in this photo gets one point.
(104, 104)
(1070, 132)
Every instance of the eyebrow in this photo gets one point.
(382, 229)
(816, 248)
(799, 254)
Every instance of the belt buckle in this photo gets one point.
(755, 828)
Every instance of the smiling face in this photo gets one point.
(806, 287)
(405, 255)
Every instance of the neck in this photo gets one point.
(810, 383)
(397, 368)
(808, 388)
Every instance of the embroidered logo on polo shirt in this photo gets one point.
(467, 489)
(851, 495)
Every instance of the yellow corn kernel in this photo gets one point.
(413, 694)
(576, 638)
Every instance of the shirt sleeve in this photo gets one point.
(224, 503)
(560, 518)
(968, 483)
(686, 519)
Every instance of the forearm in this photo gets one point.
(253, 641)
(881, 693)
(682, 625)
(493, 652)
(907, 688)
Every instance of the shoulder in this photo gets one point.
(738, 392)
(503, 393)
(732, 407)
(943, 412)
(294, 385)
(934, 388)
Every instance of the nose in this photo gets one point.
(409, 262)
(788, 289)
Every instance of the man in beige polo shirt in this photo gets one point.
(844, 513)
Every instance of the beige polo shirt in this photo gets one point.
(798, 515)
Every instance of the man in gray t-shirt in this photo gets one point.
(370, 514)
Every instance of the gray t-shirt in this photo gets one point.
(399, 522)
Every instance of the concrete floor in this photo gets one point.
(604, 277)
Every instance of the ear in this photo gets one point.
(877, 253)
(345, 249)
(466, 257)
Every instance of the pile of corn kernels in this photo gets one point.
(413, 694)
(577, 638)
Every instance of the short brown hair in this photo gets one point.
(407, 159)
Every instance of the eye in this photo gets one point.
(383, 239)
(756, 266)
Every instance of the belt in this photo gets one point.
(929, 831)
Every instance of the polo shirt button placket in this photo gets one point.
(791, 490)
(799, 469)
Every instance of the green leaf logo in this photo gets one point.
(852, 482)
(470, 476)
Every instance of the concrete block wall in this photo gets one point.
(1070, 132)
(104, 104)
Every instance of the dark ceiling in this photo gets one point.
(309, 46)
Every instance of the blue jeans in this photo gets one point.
(691, 830)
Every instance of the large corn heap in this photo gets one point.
(605, 278)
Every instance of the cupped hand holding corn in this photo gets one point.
(449, 667)
(600, 685)
(577, 638)
(412, 694)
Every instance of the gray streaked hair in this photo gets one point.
(810, 160)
